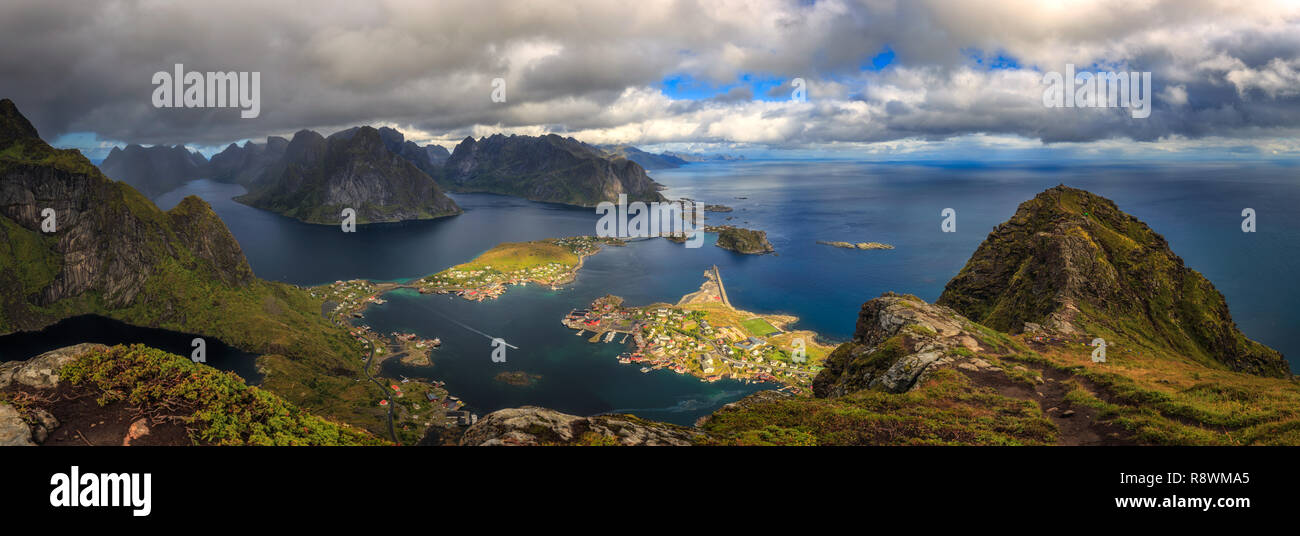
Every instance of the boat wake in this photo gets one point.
(687, 405)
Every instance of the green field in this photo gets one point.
(759, 327)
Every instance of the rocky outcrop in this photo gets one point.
(42, 371)
(1075, 263)
(14, 431)
(540, 426)
(19, 431)
(898, 340)
(749, 403)
(859, 245)
(546, 168)
(318, 177)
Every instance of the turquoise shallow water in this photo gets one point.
(1196, 207)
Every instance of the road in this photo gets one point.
(366, 369)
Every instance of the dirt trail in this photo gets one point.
(83, 422)
(1077, 425)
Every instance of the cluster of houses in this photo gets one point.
(580, 245)
(664, 340)
(486, 283)
(349, 297)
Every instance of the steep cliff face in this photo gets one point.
(317, 178)
(546, 168)
(108, 238)
(1076, 264)
(154, 170)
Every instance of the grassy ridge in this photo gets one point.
(221, 409)
(947, 409)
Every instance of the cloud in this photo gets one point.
(1223, 70)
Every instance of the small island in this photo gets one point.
(549, 262)
(859, 245)
(740, 240)
(518, 378)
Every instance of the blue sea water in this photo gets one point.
(1197, 207)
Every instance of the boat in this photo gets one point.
(609, 337)
(645, 369)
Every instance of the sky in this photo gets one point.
(884, 79)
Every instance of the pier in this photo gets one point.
(722, 291)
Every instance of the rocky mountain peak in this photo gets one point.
(1075, 263)
(13, 125)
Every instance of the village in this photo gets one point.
(705, 337)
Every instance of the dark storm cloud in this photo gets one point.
(592, 67)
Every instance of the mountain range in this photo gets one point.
(647, 160)
(155, 170)
(317, 177)
(312, 177)
(546, 168)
